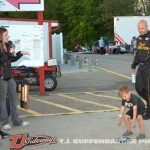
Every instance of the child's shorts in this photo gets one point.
(139, 112)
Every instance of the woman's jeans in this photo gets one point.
(8, 91)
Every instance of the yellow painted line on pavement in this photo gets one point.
(70, 113)
(112, 72)
(87, 101)
(102, 110)
(104, 96)
(55, 104)
(119, 60)
(34, 113)
(82, 92)
(52, 114)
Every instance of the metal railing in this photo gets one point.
(81, 60)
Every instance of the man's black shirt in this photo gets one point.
(143, 50)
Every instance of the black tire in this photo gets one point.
(122, 52)
(114, 51)
(22, 67)
(50, 82)
(118, 51)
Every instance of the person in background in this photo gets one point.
(7, 83)
(102, 46)
(95, 47)
(134, 45)
(106, 41)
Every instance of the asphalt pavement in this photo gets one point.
(82, 109)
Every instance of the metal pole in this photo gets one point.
(66, 58)
(80, 61)
(72, 60)
(89, 64)
(85, 60)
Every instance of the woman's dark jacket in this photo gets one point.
(5, 63)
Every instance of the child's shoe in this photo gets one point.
(127, 133)
(141, 136)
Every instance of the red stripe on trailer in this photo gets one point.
(118, 38)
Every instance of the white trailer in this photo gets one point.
(125, 27)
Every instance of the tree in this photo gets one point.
(142, 7)
(110, 8)
(84, 21)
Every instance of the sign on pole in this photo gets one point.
(21, 5)
(31, 41)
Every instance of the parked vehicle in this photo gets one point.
(79, 48)
(31, 76)
(116, 48)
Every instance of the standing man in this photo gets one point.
(102, 46)
(134, 45)
(106, 41)
(142, 59)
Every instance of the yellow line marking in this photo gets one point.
(53, 114)
(105, 91)
(70, 113)
(55, 104)
(112, 72)
(105, 96)
(119, 60)
(103, 110)
(87, 101)
(30, 111)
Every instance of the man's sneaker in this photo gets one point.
(146, 117)
(6, 127)
(127, 133)
(4, 135)
(141, 136)
(25, 124)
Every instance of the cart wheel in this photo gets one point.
(50, 82)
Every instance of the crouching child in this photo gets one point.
(134, 114)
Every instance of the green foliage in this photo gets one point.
(84, 21)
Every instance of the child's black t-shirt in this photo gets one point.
(134, 100)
